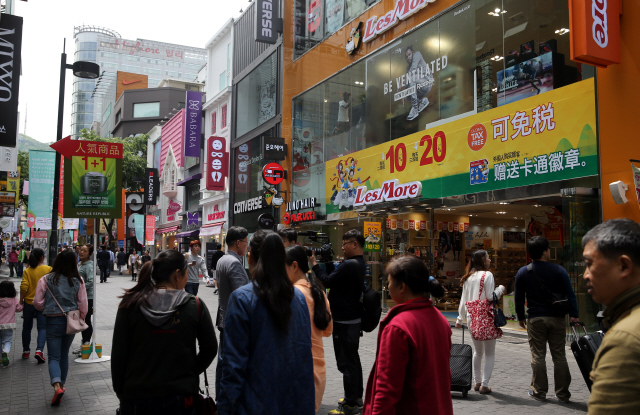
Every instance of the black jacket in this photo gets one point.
(346, 284)
(214, 259)
(122, 258)
(103, 258)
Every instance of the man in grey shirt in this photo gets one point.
(197, 266)
(231, 275)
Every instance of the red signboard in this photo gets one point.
(273, 173)
(150, 229)
(299, 217)
(217, 167)
(595, 31)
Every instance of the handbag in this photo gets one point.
(207, 404)
(75, 323)
(482, 326)
(558, 302)
(499, 319)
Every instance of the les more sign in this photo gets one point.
(595, 31)
(391, 190)
(404, 9)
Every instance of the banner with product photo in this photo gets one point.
(546, 138)
(636, 180)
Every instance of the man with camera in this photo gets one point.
(346, 283)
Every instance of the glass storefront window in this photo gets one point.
(193, 196)
(257, 101)
(147, 109)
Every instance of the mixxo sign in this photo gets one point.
(10, 54)
(391, 190)
(595, 31)
(217, 167)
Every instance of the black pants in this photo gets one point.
(219, 365)
(88, 332)
(173, 405)
(192, 288)
(346, 341)
(104, 272)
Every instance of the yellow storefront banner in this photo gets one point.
(544, 138)
(13, 184)
(372, 236)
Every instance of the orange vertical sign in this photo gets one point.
(595, 31)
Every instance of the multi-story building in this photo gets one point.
(106, 47)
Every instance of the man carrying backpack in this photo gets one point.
(346, 284)
(549, 296)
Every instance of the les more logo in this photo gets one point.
(599, 27)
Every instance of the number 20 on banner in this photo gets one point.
(435, 149)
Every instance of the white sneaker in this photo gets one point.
(413, 114)
(423, 104)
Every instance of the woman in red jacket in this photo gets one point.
(411, 374)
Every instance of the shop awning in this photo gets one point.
(188, 180)
(167, 230)
(212, 229)
(188, 234)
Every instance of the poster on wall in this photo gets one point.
(547, 222)
(372, 236)
(540, 139)
(335, 15)
(42, 166)
(525, 79)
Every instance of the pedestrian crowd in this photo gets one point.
(271, 322)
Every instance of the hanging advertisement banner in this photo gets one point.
(541, 139)
(217, 167)
(61, 191)
(150, 229)
(139, 223)
(372, 236)
(93, 179)
(68, 223)
(13, 184)
(193, 124)
(636, 179)
(151, 186)
(10, 61)
(42, 166)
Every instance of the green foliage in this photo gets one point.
(23, 163)
(26, 143)
(134, 158)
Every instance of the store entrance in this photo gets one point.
(502, 229)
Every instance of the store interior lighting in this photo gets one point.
(562, 31)
(497, 12)
(497, 58)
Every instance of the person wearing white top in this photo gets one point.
(476, 268)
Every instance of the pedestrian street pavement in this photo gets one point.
(26, 388)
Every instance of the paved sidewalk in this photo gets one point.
(26, 389)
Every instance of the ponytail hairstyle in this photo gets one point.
(270, 280)
(153, 273)
(65, 265)
(413, 272)
(34, 259)
(475, 264)
(321, 316)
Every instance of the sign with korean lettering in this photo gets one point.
(193, 124)
(372, 236)
(545, 138)
(13, 183)
(274, 148)
(93, 178)
(42, 166)
(217, 167)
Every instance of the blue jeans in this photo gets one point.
(20, 269)
(104, 272)
(28, 313)
(192, 288)
(5, 338)
(58, 344)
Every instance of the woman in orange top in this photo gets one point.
(321, 325)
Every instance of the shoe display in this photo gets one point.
(345, 410)
(40, 357)
(25, 354)
(413, 114)
(5, 359)
(423, 104)
(359, 402)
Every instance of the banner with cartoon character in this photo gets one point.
(546, 138)
(372, 236)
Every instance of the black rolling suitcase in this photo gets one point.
(584, 349)
(461, 367)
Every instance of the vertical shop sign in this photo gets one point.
(42, 165)
(150, 225)
(388, 223)
(193, 124)
(412, 225)
(455, 226)
(423, 225)
(595, 31)
(394, 224)
(636, 180)
(268, 21)
(217, 167)
(466, 227)
(372, 236)
(13, 184)
(139, 223)
(61, 192)
(10, 56)
(400, 223)
(243, 168)
(151, 186)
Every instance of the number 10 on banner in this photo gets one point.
(435, 149)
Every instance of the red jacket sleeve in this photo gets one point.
(391, 365)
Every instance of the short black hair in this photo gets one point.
(218, 246)
(236, 233)
(288, 234)
(616, 237)
(354, 234)
(537, 246)
(7, 290)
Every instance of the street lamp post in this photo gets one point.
(81, 69)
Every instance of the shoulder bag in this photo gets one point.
(500, 320)
(75, 323)
(559, 302)
(207, 404)
(482, 325)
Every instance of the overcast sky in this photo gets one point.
(48, 22)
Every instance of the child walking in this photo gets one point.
(9, 305)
